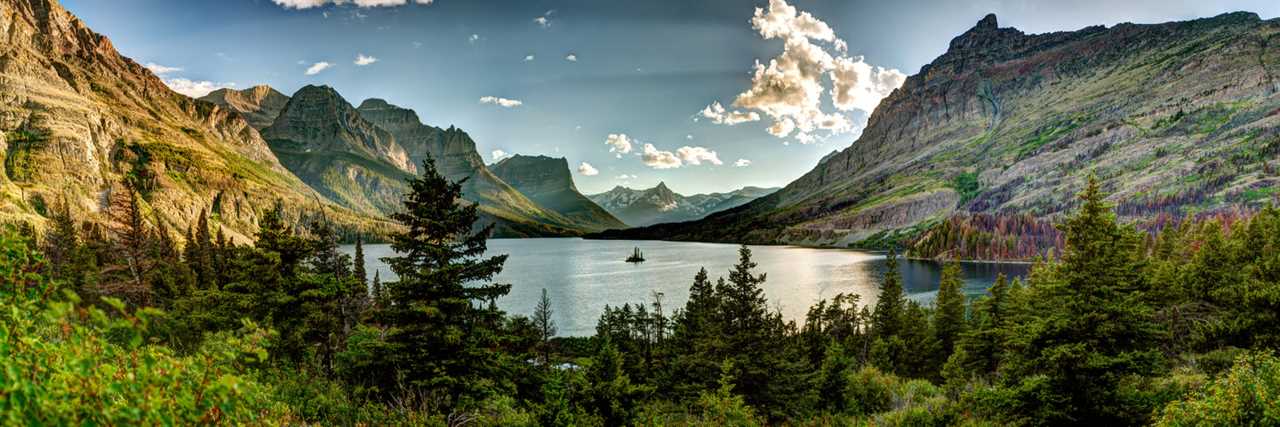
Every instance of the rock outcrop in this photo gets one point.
(258, 105)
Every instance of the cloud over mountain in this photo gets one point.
(697, 155)
(618, 143)
(657, 159)
(789, 88)
(317, 68)
(501, 102)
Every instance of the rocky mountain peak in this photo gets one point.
(535, 174)
(319, 119)
(259, 105)
(984, 35)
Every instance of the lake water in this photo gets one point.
(582, 276)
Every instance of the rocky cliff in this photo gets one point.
(549, 183)
(258, 105)
(1177, 118)
(80, 119)
(456, 158)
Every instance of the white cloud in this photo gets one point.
(571, 57)
(499, 155)
(473, 38)
(697, 155)
(654, 158)
(856, 84)
(160, 70)
(318, 67)
(543, 21)
(742, 163)
(193, 88)
(587, 170)
(718, 115)
(307, 4)
(502, 102)
(625, 177)
(618, 143)
(789, 88)
(363, 60)
(689, 137)
(528, 58)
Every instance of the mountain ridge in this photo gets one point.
(82, 120)
(1183, 113)
(659, 204)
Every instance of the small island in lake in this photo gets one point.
(636, 257)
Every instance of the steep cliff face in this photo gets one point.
(318, 119)
(321, 138)
(549, 183)
(456, 158)
(79, 119)
(1175, 118)
(258, 105)
(661, 205)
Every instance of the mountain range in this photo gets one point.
(1175, 119)
(661, 205)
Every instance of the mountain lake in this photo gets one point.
(582, 276)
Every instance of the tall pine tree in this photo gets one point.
(441, 329)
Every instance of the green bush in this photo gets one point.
(64, 364)
(870, 391)
(1249, 394)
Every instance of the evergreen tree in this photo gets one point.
(949, 315)
(357, 264)
(131, 240)
(441, 332)
(277, 237)
(887, 317)
(612, 396)
(833, 380)
(546, 327)
(1092, 328)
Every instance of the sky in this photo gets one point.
(704, 95)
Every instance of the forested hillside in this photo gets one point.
(123, 326)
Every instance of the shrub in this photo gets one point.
(65, 365)
(1246, 395)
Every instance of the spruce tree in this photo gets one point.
(948, 318)
(440, 334)
(357, 264)
(546, 327)
(1091, 327)
(887, 317)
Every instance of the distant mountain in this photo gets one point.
(659, 204)
(549, 182)
(259, 105)
(1175, 119)
(79, 119)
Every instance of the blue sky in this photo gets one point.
(644, 68)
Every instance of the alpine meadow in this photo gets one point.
(660, 213)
